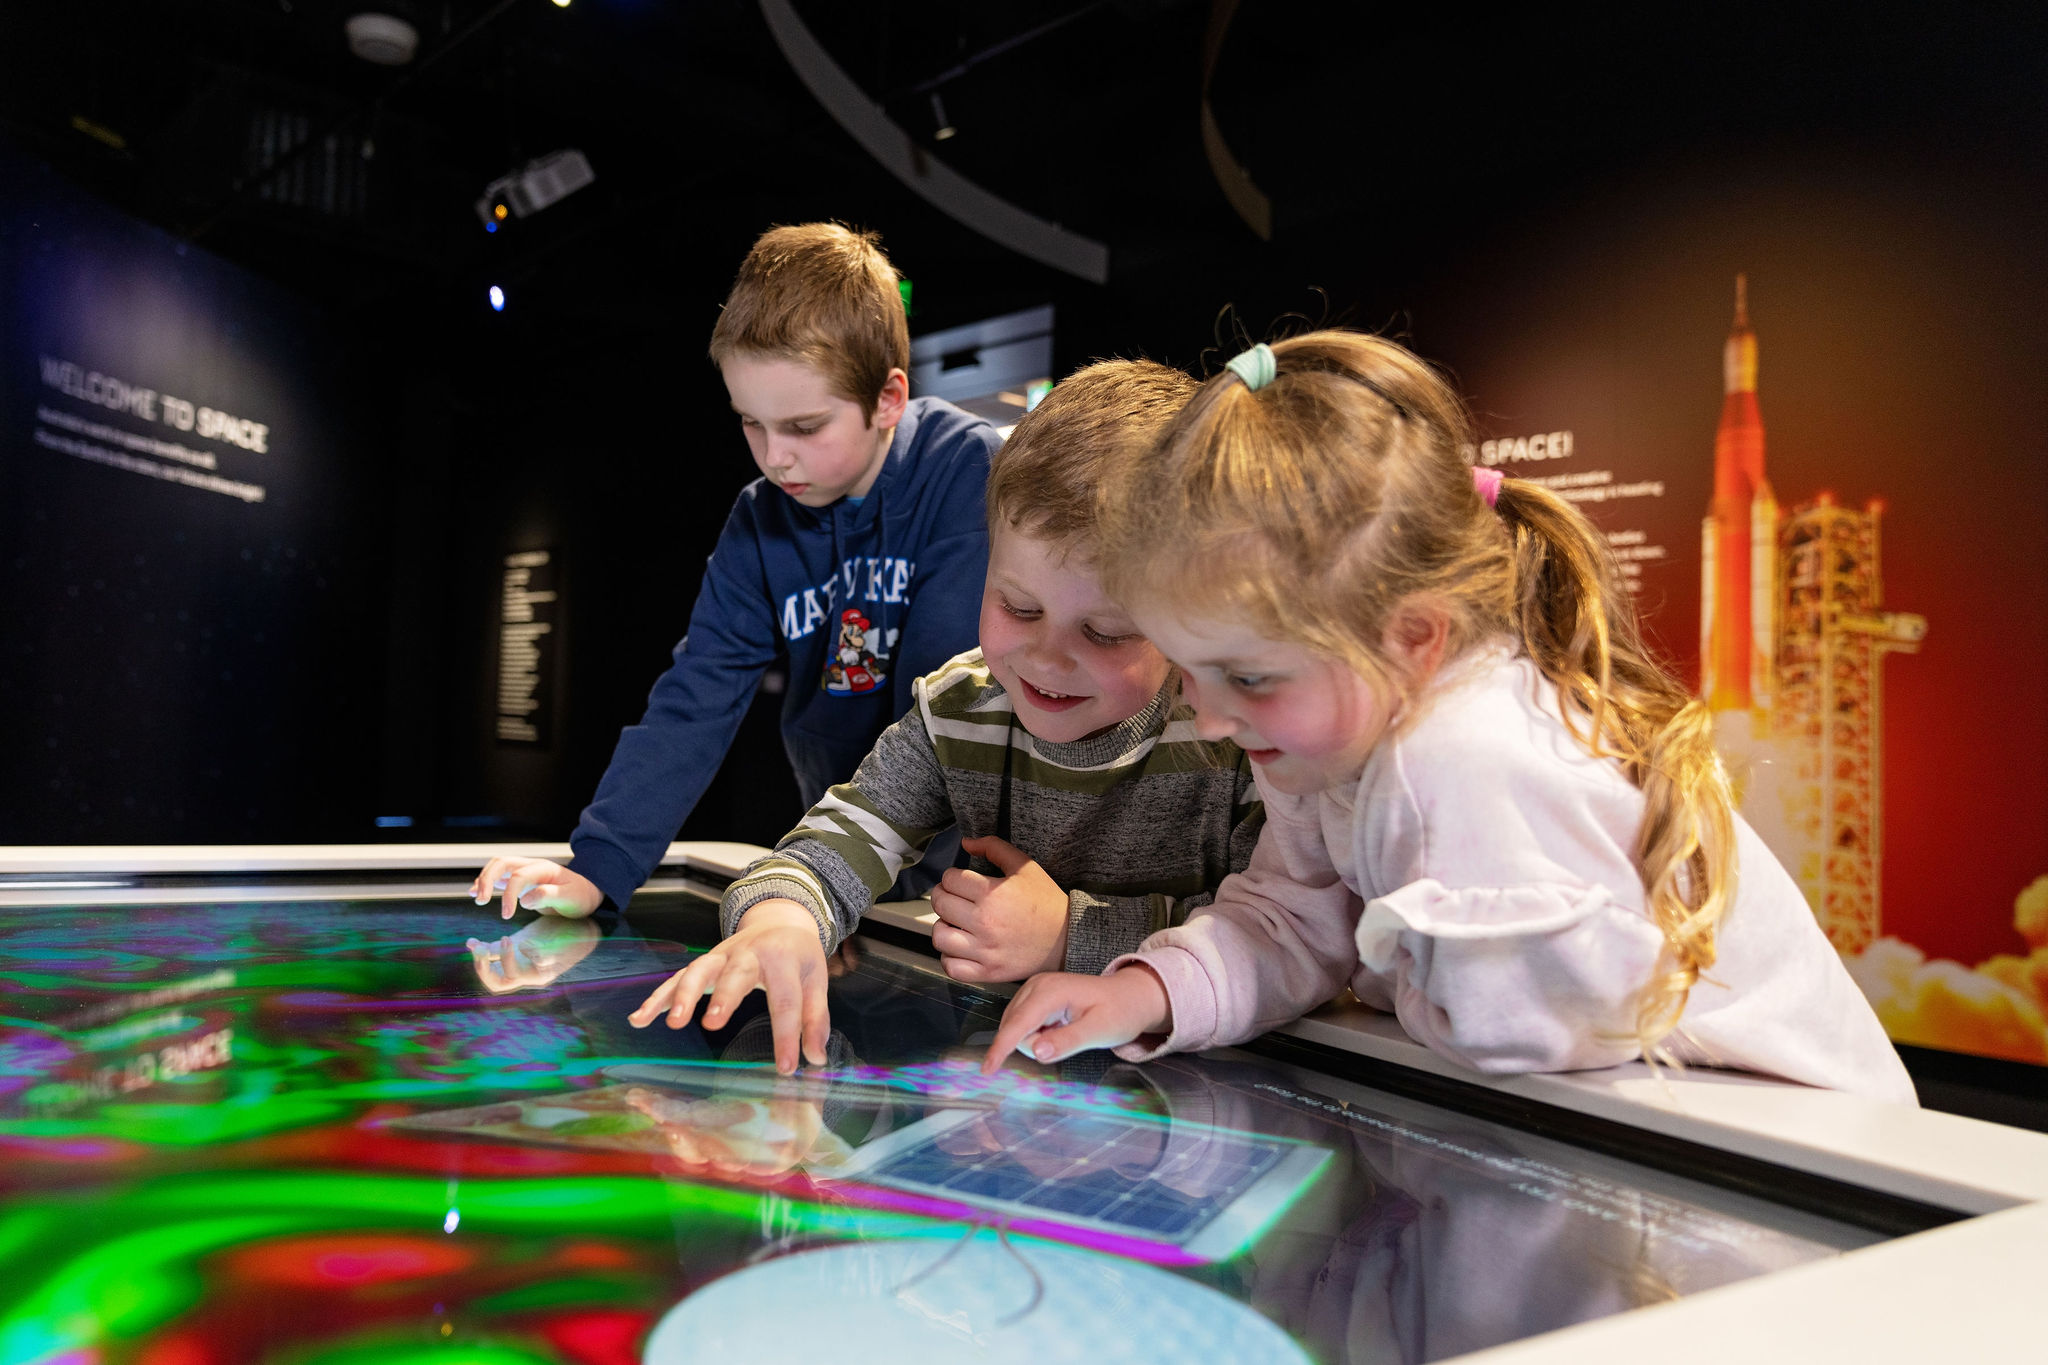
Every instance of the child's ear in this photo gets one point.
(891, 401)
(1416, 638)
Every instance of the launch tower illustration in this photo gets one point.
(1792, 640)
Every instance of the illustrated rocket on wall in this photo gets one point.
(1739, 540)
(1792, 640)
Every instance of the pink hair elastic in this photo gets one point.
(1487, 482)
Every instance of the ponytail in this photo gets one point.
(1572, 613)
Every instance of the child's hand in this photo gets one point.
(776, 950)
(999, 928)
(535, 884)
(1060, 1013)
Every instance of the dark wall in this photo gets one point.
(182, 660)
(615, 459)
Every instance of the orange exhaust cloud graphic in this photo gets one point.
(1998, 1009)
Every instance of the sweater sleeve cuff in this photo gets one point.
(1188, 993)
(607, 868)
(747, 894)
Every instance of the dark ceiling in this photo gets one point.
(1396, 135)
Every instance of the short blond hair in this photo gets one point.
(1046, 478)
(825, 295)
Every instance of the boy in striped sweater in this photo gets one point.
(1095, 812)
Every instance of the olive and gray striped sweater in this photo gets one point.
(1138, 824)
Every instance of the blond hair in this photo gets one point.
(822, 294)
(1322, 505)
(1047, 477)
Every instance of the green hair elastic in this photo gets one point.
(1255, 367)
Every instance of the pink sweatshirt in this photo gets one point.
(1478, 883)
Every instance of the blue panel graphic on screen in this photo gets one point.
(1095, 1168)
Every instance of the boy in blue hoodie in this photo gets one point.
(855, 561)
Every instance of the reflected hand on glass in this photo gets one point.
(741, 1136)
(534, 956)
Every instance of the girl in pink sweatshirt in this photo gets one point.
(1489, 809)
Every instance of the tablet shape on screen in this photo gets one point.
(981, 1298)
(1204, 1190)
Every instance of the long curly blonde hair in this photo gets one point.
(1340, 493)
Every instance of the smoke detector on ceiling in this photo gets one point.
(382, 38)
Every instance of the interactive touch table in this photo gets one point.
(329, 1117)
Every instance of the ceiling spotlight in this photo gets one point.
(382, 38)
(940, 122)
(497, 299)
(561, 4)
(533, 187)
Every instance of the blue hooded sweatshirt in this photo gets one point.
(856, 600)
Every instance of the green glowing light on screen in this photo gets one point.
(132, 1283)
(558, 1294)
(123, 1287)
(413, 1353)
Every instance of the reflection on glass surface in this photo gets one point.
(366, 1119)
(534, 955)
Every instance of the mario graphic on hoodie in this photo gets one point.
(854, 667)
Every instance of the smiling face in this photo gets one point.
(1070, 659)
(1306, 720)
(812, 443)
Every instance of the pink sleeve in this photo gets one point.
(1275, 943)
(1512, 979)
